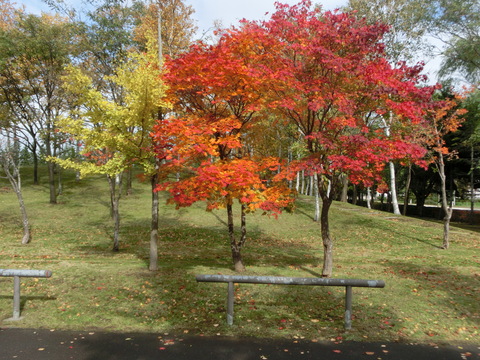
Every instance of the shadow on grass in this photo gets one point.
(457, 294)
(409, 236)
(184, 247)
(453, 225)
(27, 298)
(188, 244)
(389, 226)
(310, 271)
(300, 211)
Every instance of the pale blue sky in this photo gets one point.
(229, 12)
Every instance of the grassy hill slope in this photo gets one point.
(431, 295)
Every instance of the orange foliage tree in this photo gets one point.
(216, 90)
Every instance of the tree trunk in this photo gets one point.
(472, 186)
(243, 226)
(369, 197)
(35, 163)
(317, 198)
(344, 197)
(236, 247)
(26, 225)
(393, 183)
(446, 228)
(15, 181)
(77, 154)
(51, 182)
(326, 239)
(393, 189)
(445, 206)
(153, 264)
(302, 175)
(115, 184)
(420, 205)
(60, 182)
(325, 190)
(297, 184)
(289, 160)
(407, 190)
(50, 150)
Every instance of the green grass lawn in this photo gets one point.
(431, 295)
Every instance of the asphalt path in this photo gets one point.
(31, 344)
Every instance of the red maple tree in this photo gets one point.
(331, 79)
(216, 90)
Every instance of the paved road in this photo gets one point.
(27, 344)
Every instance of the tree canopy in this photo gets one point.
(325, 73)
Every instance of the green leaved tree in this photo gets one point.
(34, 51)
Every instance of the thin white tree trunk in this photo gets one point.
(302, 191)
(447, 208)
(297, 184)
(393, 189)
(369, 198)
(393, 184)
(13, 175)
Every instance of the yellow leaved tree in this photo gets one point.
(114, 136)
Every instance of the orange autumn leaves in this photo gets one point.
(219, 96)
(325, 73)
(222, 181)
